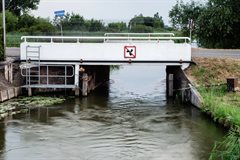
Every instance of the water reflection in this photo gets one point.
(129, 118)
(2, 136)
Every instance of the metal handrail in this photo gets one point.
(141, 34)
(65, 76)
(77, 39)
(50, 76)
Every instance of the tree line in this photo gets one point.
(75, 22)
(214, 24)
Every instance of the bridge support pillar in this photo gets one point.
(173, 80)
(170, 85)
(177, 84)
(76, 80)
(85, 84)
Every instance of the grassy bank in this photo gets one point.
(209, 75)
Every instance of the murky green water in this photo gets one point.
(127, 119)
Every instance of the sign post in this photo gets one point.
(60, 14)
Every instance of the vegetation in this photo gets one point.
(224, 107)
(182, 14)
(1, 45)
(215, 24)
(18, 105)
(141, 24)
(16, 6)
(228, 149)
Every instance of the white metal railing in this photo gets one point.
(26, 71)
(59, 39)
(140, 34)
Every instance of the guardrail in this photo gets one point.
(140, 34)
(59, 39)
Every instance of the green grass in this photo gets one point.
(222, 105)
(229, 149)
(225, 109)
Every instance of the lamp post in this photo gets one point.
(4, 28)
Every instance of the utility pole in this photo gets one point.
(4, 28)
(191, 25)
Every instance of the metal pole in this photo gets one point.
(190, 35)
(4, 28)
(61, 28)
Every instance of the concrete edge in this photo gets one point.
(196, 98)
(10, 93)
(3, 95)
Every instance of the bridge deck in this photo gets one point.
(111, 49)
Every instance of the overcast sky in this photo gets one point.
(107, 10)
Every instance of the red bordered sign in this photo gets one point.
(130, 52)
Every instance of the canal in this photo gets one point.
(128, 118)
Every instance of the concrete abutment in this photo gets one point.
(179, 86)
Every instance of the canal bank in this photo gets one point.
(209, 76)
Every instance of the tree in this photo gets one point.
(141, 29)
(182, 14)
(26, 21)
(151, 23)
(1, 45)
(158, 21)
(117, 27)
(218, 25)
(11, 21)
(95, 25)
(18, 6)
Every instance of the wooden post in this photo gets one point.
(170, 85)
(77, 92)
(85, 84)
(6, 72)
(10, 73)
(29, 91)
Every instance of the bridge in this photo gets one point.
(64, 62)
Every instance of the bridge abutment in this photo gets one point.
(176, 83)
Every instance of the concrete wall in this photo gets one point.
(182, 86)
(9, 93)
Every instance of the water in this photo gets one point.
(129, 118)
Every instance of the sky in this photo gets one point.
(107, 10)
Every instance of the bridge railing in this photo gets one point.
(117, 38)
(139, 34)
